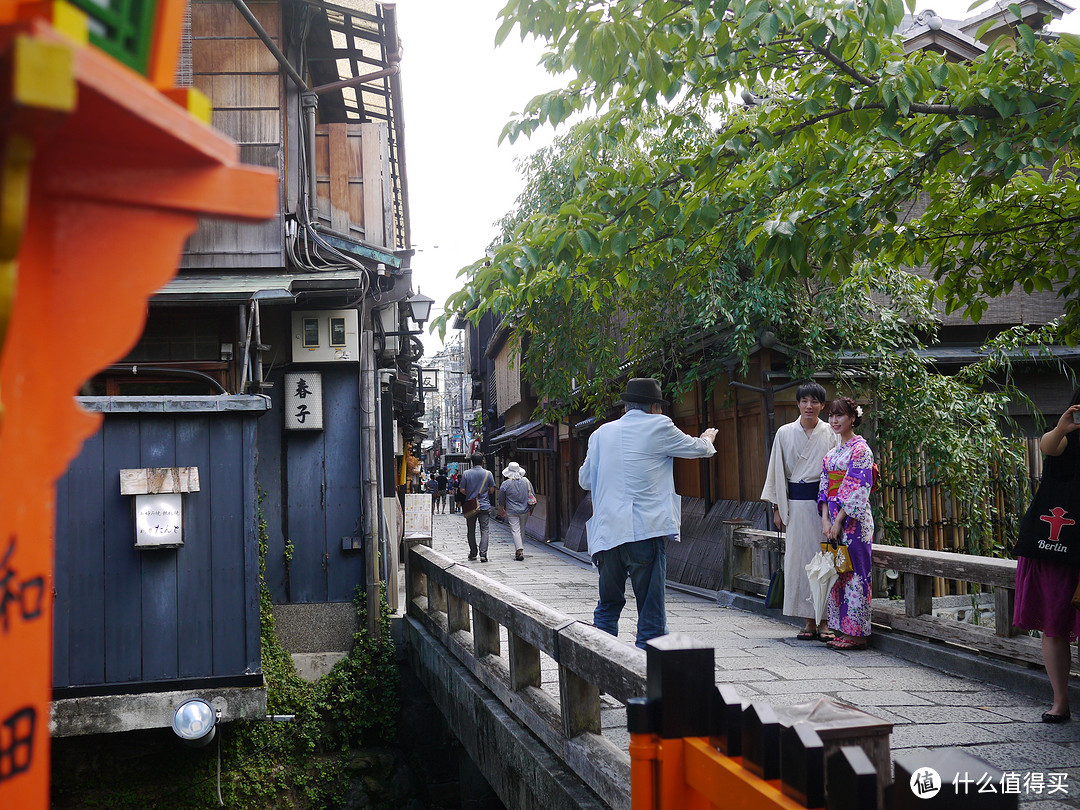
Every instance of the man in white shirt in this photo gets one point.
(792, 486)
(628, 469)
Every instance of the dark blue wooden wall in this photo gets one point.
(124, 615)
(311, 483)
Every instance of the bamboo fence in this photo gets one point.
(927, 516)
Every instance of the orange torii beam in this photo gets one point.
(102, 179)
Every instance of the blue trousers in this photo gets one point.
(645, 562)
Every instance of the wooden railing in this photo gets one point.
(918, 569)
(465, 610)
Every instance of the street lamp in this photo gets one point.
(419, 306)
(419, 310)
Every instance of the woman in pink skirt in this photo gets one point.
(1048, 557)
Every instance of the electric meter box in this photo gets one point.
(326, 336)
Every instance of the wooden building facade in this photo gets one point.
(265, 364)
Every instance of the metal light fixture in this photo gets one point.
(195, 722)
(419, 306)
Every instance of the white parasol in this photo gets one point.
(821, 571)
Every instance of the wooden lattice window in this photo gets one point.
(123, 29)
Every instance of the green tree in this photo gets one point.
(669, 229)
(825, 171)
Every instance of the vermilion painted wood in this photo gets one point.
(115, 189)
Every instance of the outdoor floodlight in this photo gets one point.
(195, 722)
(419, 306)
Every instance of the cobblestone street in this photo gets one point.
(761, 658)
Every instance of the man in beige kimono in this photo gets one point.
(792, 487)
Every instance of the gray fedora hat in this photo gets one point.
(644, 389)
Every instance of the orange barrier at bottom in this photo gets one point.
(690, 774)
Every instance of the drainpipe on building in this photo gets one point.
(371, 495)
(309, 102)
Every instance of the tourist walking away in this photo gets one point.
(431, 486)
(456, 498)
(628, 469)
(477, 484)
(516, 502)
(1048, 557)
(791, 485)
(441, 491)
(847, 476)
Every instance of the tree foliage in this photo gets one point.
(852, 151)
(749, 165)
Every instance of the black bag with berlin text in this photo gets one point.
(1051, 528)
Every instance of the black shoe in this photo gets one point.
(1056, 718)
(483, 559)
(472, 558)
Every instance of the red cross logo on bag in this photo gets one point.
(1057, 521)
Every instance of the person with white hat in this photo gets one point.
(516, 502)
(628, 469)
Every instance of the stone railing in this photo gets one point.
(465, 610)
(917, 568)
(468, 614)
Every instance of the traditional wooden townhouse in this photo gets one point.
(263, 410)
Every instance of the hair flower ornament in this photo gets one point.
(858, 411)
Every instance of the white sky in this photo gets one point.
(458, 93)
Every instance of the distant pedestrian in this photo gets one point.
(847, 476)
(478, 483)
(441, 492)
(455, 494)
(628, 469)
(516, 502)
(792, 486)
(1048, 557)
(431, 486)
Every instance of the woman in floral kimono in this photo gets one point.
(844, 490)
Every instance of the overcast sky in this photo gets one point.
(459, 90)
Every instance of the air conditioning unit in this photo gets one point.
(326, 336)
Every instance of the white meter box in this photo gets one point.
(303, 401)
(326, 336)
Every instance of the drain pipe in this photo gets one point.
(310, 103)
(256, 26)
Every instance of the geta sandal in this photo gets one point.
(846, 644)
(807, 635)
(826, 636)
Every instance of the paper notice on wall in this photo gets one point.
(418, 516)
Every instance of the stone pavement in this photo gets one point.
(762, 659)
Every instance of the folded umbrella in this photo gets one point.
(821, 571)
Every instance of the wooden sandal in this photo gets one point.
(807, 635)
(846, 644)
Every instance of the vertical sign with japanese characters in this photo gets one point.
(303, 401)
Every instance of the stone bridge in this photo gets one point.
(537, 695)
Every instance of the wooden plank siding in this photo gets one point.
(126, 615)
(123, 606)
(351, 164)
(240, 76)
(321, 477)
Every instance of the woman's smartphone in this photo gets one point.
(1076, 417)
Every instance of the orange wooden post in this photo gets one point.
(103, 179)
(643, 761)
